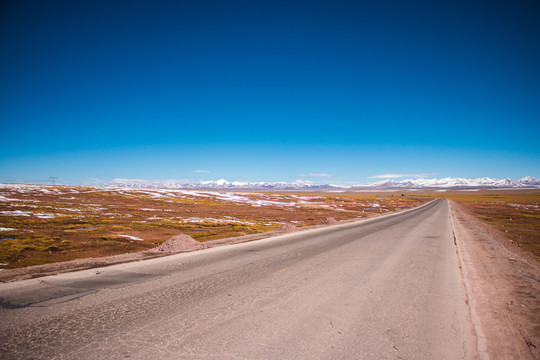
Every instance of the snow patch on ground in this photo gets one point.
(243, 198)
(214, 220)
(3, 198)
(15, 213)
(131, 237)
(45, 216)
(253, 199)
(148, 209)
(6, 229)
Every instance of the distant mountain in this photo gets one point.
(416, 184)
(247, 185)
(222, 185)
(454, 183)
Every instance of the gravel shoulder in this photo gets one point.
(503, 286)
(30, 272)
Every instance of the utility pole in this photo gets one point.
(53, 179)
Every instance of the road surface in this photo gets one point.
(386, 288)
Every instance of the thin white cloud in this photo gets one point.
(201, 171)
(322, 175)
(303, 182)
(130, 181)
(391, 175)
(124, 181)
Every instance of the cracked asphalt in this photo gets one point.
(386, 288)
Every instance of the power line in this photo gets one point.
(52, 180)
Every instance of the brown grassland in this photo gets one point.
(514, 213)
(47, 224)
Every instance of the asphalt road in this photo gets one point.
(387, 288)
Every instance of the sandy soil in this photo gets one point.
(503, 286)
(178, 243)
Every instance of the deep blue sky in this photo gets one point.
(269, 90)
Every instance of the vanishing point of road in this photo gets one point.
(385, 288)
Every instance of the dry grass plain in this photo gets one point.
(515, 214)
(47, 224)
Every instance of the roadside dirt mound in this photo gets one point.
(287, 228)
(329, 221)
(178, 243)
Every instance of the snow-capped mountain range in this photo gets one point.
(416, 184)
(456, 183)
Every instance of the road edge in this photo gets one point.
(481, 340)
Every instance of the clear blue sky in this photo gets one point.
(269, 90)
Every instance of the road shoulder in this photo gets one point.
(503, 285)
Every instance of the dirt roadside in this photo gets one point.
(30, 272)
(503, 286)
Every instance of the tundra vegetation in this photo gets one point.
(45, 224)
